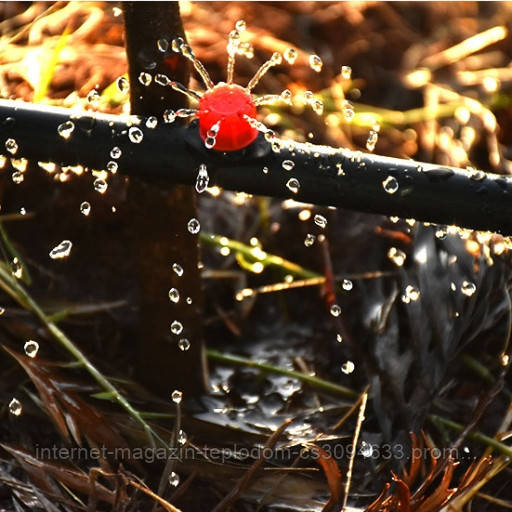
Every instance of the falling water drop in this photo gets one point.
(193, 226)
(174, 479)
(112, 167)
(177, 396)
(31, 348)
(174, 295)
(202, 179)
(390, 185)
(184, 344)
(17, 177)
(335, 310)
(468, 288)
(12, 146)
(309, 240)
(85, 208)
(62, 250)
(15, 407)
(115, 153)
(347, 285)
(178, 269)
(176, 327)
(366, 449)
(240, 25)
(320, 221)
(397, 256)
(100, 185)
(182, 437)
(66, 129)
(348, 367)
(339, 338)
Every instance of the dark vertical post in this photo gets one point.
(160, 216)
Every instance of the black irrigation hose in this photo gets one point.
(172, 152)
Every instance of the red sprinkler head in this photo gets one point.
(222, 122)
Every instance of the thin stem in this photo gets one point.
(26, 301)
(315, 382)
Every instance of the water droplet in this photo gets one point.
(169, 115)
(182, 437)
(265, 170)
(123, 84)
(174, 479)
(339, 338)
(193, 226)
(335, 310)
(176, 396)
(320, 221)
(151, 122)
(390, 185)
(112, 167)
(162, 45)
(117, 11)
(397, 256)
(366, 449)
(468, 288)
(16, 268)
(2, 311)
(412, 294)
(346, 72)
(100, 185)
(66, 129)
(188, 300)
(12, 146)
(15, 407)
(309, 240)
(348, 111)
(93, 97)
(293, 185)
(31, 348)
(145, 78)
(316, 63)
(178, 269)
(441, 233)
(174, 295)
(348, 367)
(202, 179)
(504, 359)
(135, 135)
(184, 344)
(115, 153)
(85, 208)
(373, 137)
(176, 327)
(62, 250)
(3, 161)
(347, 285)
(290, 55)
(240, 25)
(17, 177)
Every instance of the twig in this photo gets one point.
(230, 498)
(315, 382)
